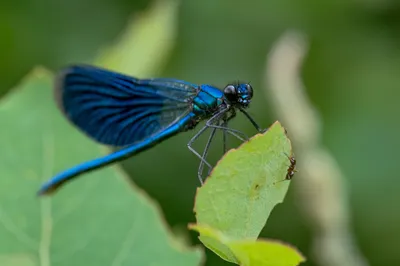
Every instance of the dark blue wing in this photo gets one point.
(119, 110)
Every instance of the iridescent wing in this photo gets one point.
(119, 110)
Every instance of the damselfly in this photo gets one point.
(136, 114)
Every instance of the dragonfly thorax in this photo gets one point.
(239, 95)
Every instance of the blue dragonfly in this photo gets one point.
(135, 114)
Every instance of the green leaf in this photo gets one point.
(265, 253)
(246, 185)
(215, 241)
(235, 202)
(97, 220)
(249, 252)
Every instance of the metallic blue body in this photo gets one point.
(119, 110)
(207, 101)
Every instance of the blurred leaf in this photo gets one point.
(249, 252)
(215, 241)
(266, 252)
(246, 185)
(99, 220)
(146, 43)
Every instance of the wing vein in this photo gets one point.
(119, 110)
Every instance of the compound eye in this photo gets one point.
(230, 92)
(249, 90)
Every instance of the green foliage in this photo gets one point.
(100, 220)
(263, 252)
(351, 75)
(145, 45)
(233, 205)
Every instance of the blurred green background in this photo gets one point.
(351, 73)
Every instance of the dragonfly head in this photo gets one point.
(239, 94)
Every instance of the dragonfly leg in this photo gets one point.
(252, 121)
(198, 134)
(205, 153)
(224, 124)
(190, 143)
(234, 132)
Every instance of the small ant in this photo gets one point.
(291, 170)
